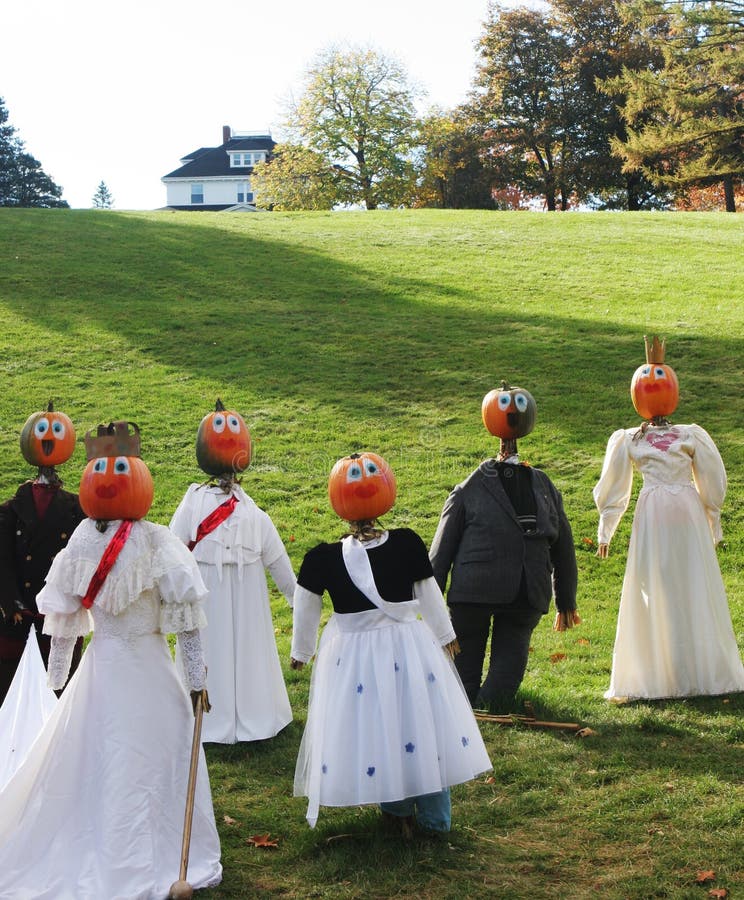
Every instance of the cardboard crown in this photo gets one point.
(113, 439)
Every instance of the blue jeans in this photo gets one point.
(433, 811)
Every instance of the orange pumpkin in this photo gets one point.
(654, 388)
(361, 487)
(223, 443)
(509, 412)
(116, 483)
(47, 438)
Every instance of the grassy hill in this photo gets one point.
(336, 332)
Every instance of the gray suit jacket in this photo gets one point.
(481, 541)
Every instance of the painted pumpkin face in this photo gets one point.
(223, 443)
(361, 486)
(116, 487)
(47, 438)
(654, 390)
(509, 412)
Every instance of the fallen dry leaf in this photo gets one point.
(265, 841)
(708, 875)
(490, 780)
(557, 657)
(229, 820)
(585, 732)
(718, 892)
(583, 641)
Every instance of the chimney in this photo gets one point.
(226, 133)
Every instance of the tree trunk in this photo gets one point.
(631, 184)
(728, 193)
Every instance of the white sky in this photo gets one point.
(119, 92)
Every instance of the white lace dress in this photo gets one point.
(674, 633)
(96, 809)
(245, 676)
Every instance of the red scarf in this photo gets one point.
(215, 518)
(108, 559)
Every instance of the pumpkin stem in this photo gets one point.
(50, 406)
(219, 406)
(355, 456)
(505, 385)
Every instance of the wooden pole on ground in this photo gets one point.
(181, 889)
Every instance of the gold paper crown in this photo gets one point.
(113, 439)
(655, 351)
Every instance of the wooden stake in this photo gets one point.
(181, 889)
(529, 721)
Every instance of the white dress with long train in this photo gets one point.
(244, 673)
(674, 633)
(96, 809)
(388, 717)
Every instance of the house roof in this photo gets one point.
(209, 162)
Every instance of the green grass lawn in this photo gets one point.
(336, 332)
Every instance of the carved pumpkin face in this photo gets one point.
(509, 412)
(116, 487)
(361, 486)
(654, 390)
(47, 438)
(223, 443)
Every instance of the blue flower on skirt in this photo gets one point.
(409, 748)
(360, 688)
(371, 771)
(432, 677)
(465, 741)
(324, 768)
(397, 667)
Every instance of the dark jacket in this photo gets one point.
(480, 540)
(27, 547)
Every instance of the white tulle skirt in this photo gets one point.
(388, 717)
(96, 810)
(674, 634)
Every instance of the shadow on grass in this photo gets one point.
(242, 309)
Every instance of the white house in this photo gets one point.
(218, 178)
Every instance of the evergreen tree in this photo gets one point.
(686, 121)
(22, 180)
(103, 198)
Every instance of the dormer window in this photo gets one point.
(241, 160)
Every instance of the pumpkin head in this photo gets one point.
(361, 486)
(223, 443)
(116, 483)
(509, 412)
(654, 388)
(47, 438)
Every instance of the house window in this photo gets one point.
(245, 194)
(240, 160)
(197, 193)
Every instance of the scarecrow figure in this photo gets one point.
(388, 721)
(506, 544)
(234, 542)
(97, 807)
(674, 635)
(35, 525)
